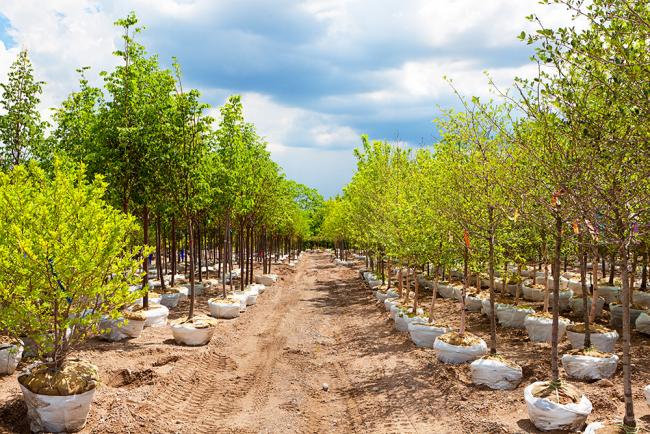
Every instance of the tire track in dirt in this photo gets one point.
(393, 417)
(201, 393)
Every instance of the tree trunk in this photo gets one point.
(434, 295)
(241, 255)
(555, 371)
(185, 255)
(173, 253)
(463, 315)
(145, 258)
(644, 272)
(417, 292)
(198, 250)
(493, 320)
(629, 419)
(612, 269)
(165, 252)
(225, 254)
(400, 289)
(585, 294)
(190, 252)
(158, 253)
(594, 285)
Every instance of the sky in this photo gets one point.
(314, 75)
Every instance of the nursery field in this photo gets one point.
(319, 327)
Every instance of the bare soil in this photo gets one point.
(316, 354)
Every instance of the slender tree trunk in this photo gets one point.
(435, 293)
(555, 370)
(225, 254)
(504, 279)
(173, 253)
(463, 315)
(198, 248)
(612, 269)
(632, 275)
(383, 275)
(644, 272)
(241, 255)
(389, 267)
(166, 251)
(145, 258)
(220, 257)
(585, 293)
(185, 258)
(417, 292)
(518, 285)
(594, 285)
(629, 419)
(400, 289)
(158, 253)
(407, 297)
(493, 320)
(190, 252)
(264, 250)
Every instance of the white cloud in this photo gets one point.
(297, 127)
(394, 54)
(60, 39)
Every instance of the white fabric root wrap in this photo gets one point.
(495, 374)
(455, 354)
(547, 415)
(588, 367)
(57, 413)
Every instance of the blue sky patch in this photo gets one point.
(5, 25)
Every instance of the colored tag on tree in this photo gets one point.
(466, 238)
(576, 228)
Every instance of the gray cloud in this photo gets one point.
(315, 74)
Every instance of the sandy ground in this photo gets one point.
(265, 371)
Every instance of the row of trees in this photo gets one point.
(204, 187)
(557, 168)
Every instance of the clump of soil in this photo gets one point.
(454, 338)
(139, 307)
(592, 352)
(134, 316)
(547, 315)
(223, 300)
(127, 377)
(498, 298)
(613, 429)
(561, 393)
(593, 328)
(500, 358)
(6, 341)
(198, 322)
(434, 324)
(75, 377)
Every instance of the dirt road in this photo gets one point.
(267, 370)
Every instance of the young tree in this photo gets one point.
(64, 258)
(21, 128)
